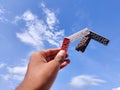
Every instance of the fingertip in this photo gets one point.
(65, 63)
(62, 53)
(60, 56)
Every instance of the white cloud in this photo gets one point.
(15, 73)
(11, 77)
(84, 81)
(118, 88)
(17, 69)
(51, 19)
(5, 77)
(38, 31)
(28, 16)
(2, 65)
(2, 13)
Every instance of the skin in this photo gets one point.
(43, 68)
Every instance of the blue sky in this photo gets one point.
(31, 25)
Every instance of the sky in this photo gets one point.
(27, 26)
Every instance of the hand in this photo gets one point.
(43, 68)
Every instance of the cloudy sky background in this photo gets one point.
(31, 25)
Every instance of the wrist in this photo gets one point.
(24, 86)
(28, 85)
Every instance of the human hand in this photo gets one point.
(43, 68)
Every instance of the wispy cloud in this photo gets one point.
(2, 13)
(118, 88)
(84, 81)
(51, 19)
(17, 69)
(2, 65)
(14, 73)
(38, 31)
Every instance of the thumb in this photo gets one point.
(60, 56)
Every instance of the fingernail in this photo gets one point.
(62, 52)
